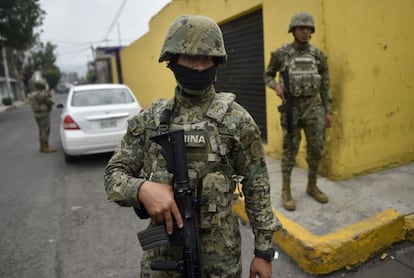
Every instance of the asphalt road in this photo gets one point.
(55, 218)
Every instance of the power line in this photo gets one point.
(115, 19)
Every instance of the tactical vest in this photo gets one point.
(35, 102)
(304, 78)
(208, 143)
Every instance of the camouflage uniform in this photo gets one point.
(41, 103)
(222, 142)
(311, 98)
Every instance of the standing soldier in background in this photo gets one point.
(222, 143)
(41, 103)
(309, 99)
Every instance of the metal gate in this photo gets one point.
(243, 73)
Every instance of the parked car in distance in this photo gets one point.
(63, 88)
(94, 118)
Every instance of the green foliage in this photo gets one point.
(43, 56)
(18, 20)
(91, 76)
(7, 101)
(52, 76)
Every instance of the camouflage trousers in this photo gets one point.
(43, 124)
(220, 250)
(313, 124)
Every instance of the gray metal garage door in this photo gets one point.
(243, 73)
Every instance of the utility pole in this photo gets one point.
(93, 53)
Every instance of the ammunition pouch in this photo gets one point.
(215, 192)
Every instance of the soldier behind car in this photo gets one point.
(228, 145)
(311, 105)
(41, 103)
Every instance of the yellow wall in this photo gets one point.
(371, 69)
(373, 78)
(141, 70)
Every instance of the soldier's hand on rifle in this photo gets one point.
(260, 268)
(158, 200)
(280, 92)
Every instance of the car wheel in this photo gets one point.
(69, 158)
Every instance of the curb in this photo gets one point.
(345, 248)
(409, 226)
(16, 104)
(3, 108)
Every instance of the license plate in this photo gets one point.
(107, 123)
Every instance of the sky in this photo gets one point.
(77, 26)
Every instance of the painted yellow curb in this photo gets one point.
(409, 226)
(344, 248)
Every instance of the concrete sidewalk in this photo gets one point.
(3, 108)
(15, 104)
(365, 215)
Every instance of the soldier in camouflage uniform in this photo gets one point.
(222, 142)
(42, 104)
(311, 106)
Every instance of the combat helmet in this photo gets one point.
(302, 19)
(194, 35)
(39, 84)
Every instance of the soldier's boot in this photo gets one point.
(41, 146)
(287, 200)
(313, 190)
(46, 149)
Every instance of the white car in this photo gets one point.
(95, 117)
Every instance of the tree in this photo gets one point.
(17, 59)
(52, 76)
(91, 76)
(43, 58)
(18, 20)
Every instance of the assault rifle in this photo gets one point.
(286, 107)
(173, 149)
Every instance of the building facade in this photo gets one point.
(371, 69)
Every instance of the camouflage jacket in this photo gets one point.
(40, 101)
(238, 150)
(279, 60)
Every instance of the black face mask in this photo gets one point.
(193, 79)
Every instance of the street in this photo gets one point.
(57, 223)
(56, 220)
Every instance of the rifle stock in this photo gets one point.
(173, 149)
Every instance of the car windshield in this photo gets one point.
(101, 97)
